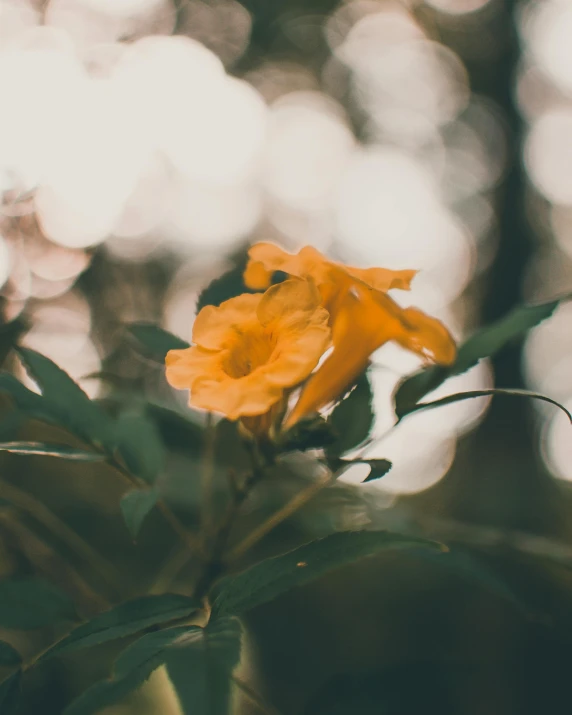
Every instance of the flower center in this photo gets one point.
(252, 349)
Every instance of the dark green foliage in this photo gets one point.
(312, 432)
(9, 655)
(484, 343)
(459, 396)
(352, 419)
(272, 577)
(138, 441)
(32, 404)
(134, 665)
(125, 620)
(66, 400)
(227, 286)
(9, 336)
(155, 342)
(214, 651)
(33, 603)
(10, 693)
(135, 506)
(201, 666)
(378, 468)
(61, 451)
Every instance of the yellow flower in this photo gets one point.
(363, 318)
(266, 258)
(251, 349)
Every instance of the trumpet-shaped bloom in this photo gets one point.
(266, 258)
(251, 349)
(363, 318)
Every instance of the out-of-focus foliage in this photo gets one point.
(143, 144)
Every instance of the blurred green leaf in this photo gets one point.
(66, 399)
(226, 286)
(352, 419)
(33, 603)
(32, 404)
(230, 448)
(140, 445)
(378, 468)
(51, 450)
(459, 396)
(10, 693)
(9, 655)
(125, 620)
(272, 577)
(135, 506)
(484, 343)
(154, 341)
(312, 432)
(134, 665)
(9, 335)
(201, 666)
(106, 693)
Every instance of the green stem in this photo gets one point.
(190, 540)
(68, 536)
(298, 501)
(207, 476)
(252, 695)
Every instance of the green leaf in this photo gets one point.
(201, 666)
(33, 603)
(352, 419)
(66, 399)
(32, 404)
(140, 445)
(459, 396)
(272, 577)
(125, 620)
(51, 450)
(135, 506)
(9, 655)
(106, 693)
(378, 468)
(484, 343)
(312, 432)
(154, 341)
(10, 693)
(9, 336)
(228, 285)
(136, 663)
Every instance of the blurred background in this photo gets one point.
(145, 143)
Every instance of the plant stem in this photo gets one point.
(281, 515)
(250, 693)
(68, 536)
(214, 565)
(207, 476)
(190, 540)
(49, 562)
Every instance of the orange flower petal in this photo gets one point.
(364, 320)
(258, 347)
(383, 279)
(247, 396)
(427, 337)
(213, 325)
(282, 301)
(256, 276)
(184, 365)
